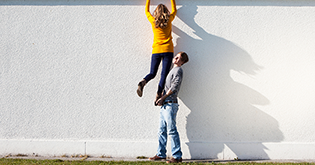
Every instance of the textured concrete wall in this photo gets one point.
(69, 71)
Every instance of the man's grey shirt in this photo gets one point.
(173, 82)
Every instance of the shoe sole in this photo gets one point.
(157, 159)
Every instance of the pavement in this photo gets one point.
(65, 158)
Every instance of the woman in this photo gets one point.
(163, 48)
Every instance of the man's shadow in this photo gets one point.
(222, 110)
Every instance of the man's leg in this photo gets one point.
(171, 110)
(162, 134)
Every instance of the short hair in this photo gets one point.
(184, 57)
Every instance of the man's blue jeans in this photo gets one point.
(168, 127)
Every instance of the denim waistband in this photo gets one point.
(170, 101)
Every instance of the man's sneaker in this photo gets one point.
(173, 160)
(156, 158)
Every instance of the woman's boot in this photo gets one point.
(140, 87)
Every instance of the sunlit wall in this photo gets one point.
(69, 72)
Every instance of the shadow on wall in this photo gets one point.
(222, 112)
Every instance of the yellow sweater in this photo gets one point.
(162, 42)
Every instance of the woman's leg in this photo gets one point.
(167, 63)
(155, 62)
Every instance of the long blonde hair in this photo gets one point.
(161, 15)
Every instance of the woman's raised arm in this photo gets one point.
(173, 6)
(147, 6)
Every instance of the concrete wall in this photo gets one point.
(69, 72)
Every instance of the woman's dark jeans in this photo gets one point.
(166, 65)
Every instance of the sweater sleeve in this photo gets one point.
(147, 11)
(174, 10)
(147, 6)
(176, 81)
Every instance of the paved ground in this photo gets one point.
(135, 159)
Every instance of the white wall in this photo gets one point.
(69, 72)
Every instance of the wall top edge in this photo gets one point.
(294, 3)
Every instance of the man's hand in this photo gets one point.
(160, 101)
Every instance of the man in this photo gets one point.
(169, 108)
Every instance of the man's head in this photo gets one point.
(180, 59)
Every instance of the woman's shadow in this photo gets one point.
(222, 114)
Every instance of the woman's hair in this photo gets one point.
(183, 57)
(161, 15)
